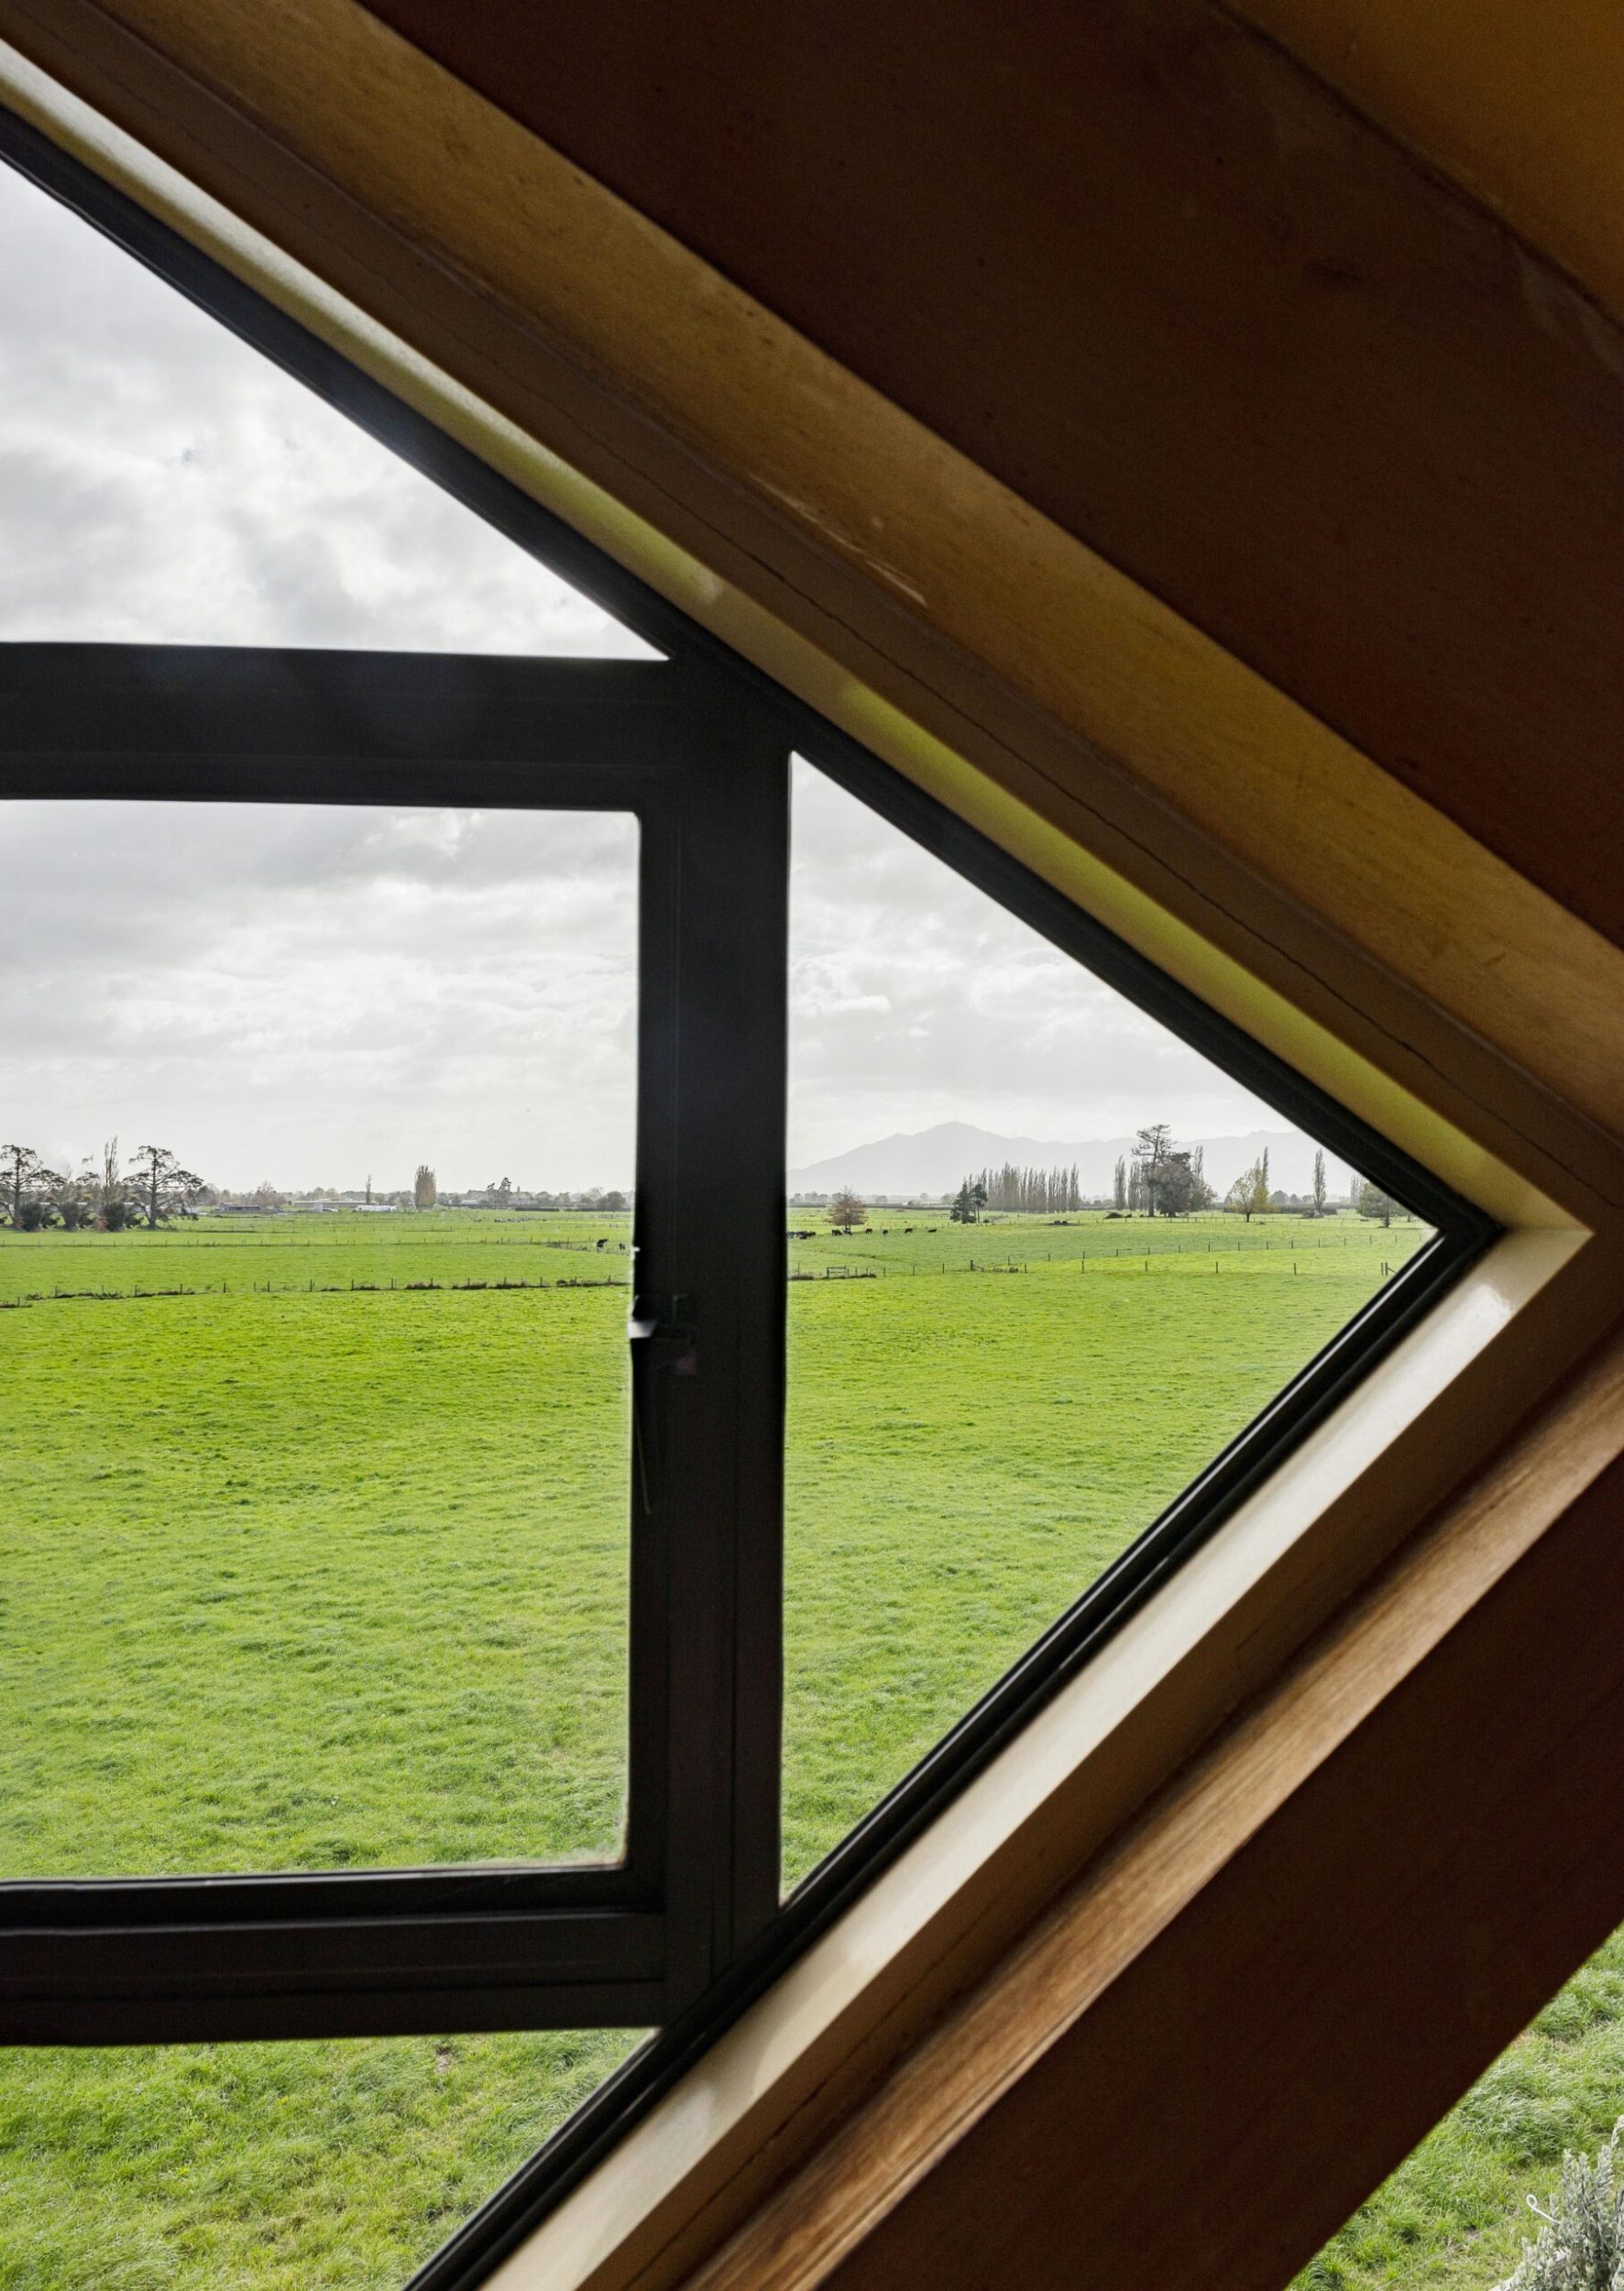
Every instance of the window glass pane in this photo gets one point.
(1043, 1321)
(271, 2167)
(1458, 2212)
(314, 1432)
(162, 483)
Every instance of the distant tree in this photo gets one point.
(1374, 1203)
(613, 1201)
(1202, 1195)
(1319, 1182)
(23, 1173)
(500, 1194)
(31, 1189)
(1176, 1187)
(1248, 1196)
(162, 1187)
(149, 1171)
(1119, 1191)
(72, 1200)
(962, 1209)
(424, 1192)
(1161, 1178)
(1261, 1197)
(846, 1210)
(1152, 1148)
(108, 1191)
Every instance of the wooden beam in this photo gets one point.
(1519, 105)
(1177, 294)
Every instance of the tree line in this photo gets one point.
(1034, 1190)
(105, 1195)
(1157, 1177)
(102, 1194)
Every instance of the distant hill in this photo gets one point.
(932, 1162)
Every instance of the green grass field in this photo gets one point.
(316, 1557)
(1455, 2216)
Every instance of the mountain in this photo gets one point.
(932, 1162)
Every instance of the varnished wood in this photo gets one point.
(1520, 106)
(1174, 292)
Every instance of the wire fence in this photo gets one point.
(873, 1264)
(1157, 1258)
(139, 1237)
(311, 1287)
(1164, 1260)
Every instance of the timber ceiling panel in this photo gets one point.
(1170, 288)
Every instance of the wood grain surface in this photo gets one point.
(1176, 293)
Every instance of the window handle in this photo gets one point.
(660, 1350)
(672, 1345)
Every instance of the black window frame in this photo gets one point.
(727, 734)
(129, 1960)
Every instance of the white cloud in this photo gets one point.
(161, 483)
(320, 993)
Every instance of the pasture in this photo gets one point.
(315, 1556)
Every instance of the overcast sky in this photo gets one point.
(313, 995)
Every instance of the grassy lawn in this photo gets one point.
(1454, 2215)
(268, 2168)
(307, 1619)
(301, 1574)
(966, 1452)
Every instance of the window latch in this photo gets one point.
(660, 1350)
(672, 1345)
